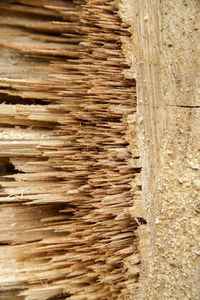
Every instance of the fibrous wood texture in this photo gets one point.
(78, 218)
(68, 174)
(166, 48)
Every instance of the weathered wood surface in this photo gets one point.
(166, 49)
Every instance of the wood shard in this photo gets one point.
(66, 162)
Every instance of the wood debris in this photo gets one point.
(68, 173)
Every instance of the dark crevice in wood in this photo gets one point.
(15, 100)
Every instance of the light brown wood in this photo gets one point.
(69, 177)
(99, 188)
(165, 37)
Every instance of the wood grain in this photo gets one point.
(67, 106)
(165, 38)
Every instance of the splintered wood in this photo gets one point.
(68, 174)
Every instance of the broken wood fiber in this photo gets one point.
(67, 104)
(99, 188)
